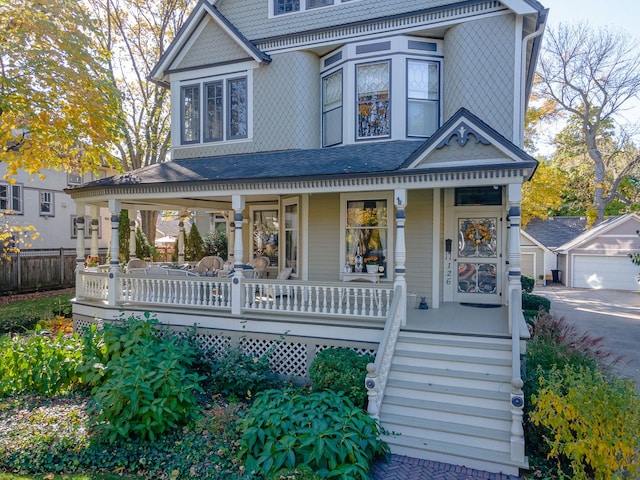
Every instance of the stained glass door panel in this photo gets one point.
(478, 259)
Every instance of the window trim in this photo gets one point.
(287, 202)
(51, 202)
(72, 176)
(303, 7)
(389, 62)
(11, 198)
(87, 227)
(197, 88)
(340, 107)
(364, 196)
(438, 64)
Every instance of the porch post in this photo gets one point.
(132, 238)
(114, 263)
(79, 239)
(400, 200)
(514, 197)
(181, 241)
(95, 219)
(237, 202)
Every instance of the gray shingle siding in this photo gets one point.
(479, 71)
(286, 109)
(212, 46)
(251, 16)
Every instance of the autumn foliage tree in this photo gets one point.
(59, 108)
(592, 75)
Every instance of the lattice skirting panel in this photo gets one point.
(288, 356)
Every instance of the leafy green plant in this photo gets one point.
(39, 363)
(239, 375)
(341, 370)
(300, 473)
(323, 430)
(528, 283)
(535, 302)
(141, 381)
(18, 324)
(594, 422)
(215, 243)
(63, 308)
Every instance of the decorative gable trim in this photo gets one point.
(459, 131)
(402, 22)
(203, 10)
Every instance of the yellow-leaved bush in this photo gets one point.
(595, 422)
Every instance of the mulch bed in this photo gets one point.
(30, 296)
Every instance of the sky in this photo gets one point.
(616, 14)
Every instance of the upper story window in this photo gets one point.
(10, 198)
(46, 204)
(423, 95)
(74, 178)
(374, 108)
(389, 89)
(224, 104)
(290, 6)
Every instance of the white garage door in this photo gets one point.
(615, 273)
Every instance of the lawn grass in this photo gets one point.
(41, 306)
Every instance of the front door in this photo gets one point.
(478, 258)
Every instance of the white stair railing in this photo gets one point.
(378, 372)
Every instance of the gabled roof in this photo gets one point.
(465, 131)
(600, 229)
(556, 231)
(534, 241)
(203, 10)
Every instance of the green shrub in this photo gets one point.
(63, 309)
(594, 422)
(527, 283)
(299, 473)
(341, 370)
(238, 375)
(323, 430)
(215, 243)
(39, 363)
(18, 324)
(535, 302)
(141, 379)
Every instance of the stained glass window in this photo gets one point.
(374, 114)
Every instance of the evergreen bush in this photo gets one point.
(535, 302)
(341, 370)
(528, 283)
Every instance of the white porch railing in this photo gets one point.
(378, 372)
(259, 295)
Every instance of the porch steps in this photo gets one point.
(447, 399)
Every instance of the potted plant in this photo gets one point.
(92, 263)
(372, 264)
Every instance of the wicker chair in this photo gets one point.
(136, 263)
(209, 264)
(259, 265)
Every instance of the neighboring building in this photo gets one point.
(330, 133)
(43, 203)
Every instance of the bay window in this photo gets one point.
(374, 114)
(422, 98)
(332, 109)
(190, 101)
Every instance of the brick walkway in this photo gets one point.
(407, 468)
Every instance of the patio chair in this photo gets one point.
(209, 265)
(259, 265)
(136, 263)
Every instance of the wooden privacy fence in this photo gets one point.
(38, 269)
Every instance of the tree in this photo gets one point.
(58, 105)
(137, 33)
(194, 245)
(592, 75)
(12, 237)
(542, 196)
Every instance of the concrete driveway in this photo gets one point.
(611, 314)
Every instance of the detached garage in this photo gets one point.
(599, 258)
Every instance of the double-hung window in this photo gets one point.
(374, 107)
(10, 198)
(46, 204)
(225, 111)
(422, 98)
(332, 109)
(281, 7)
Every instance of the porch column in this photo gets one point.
(114, 263)
(132, 237)
(231, 238)
(400, 200)
(181, 241)
(237, 202)
(95, 220)
(514, 197)
(80, 254)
